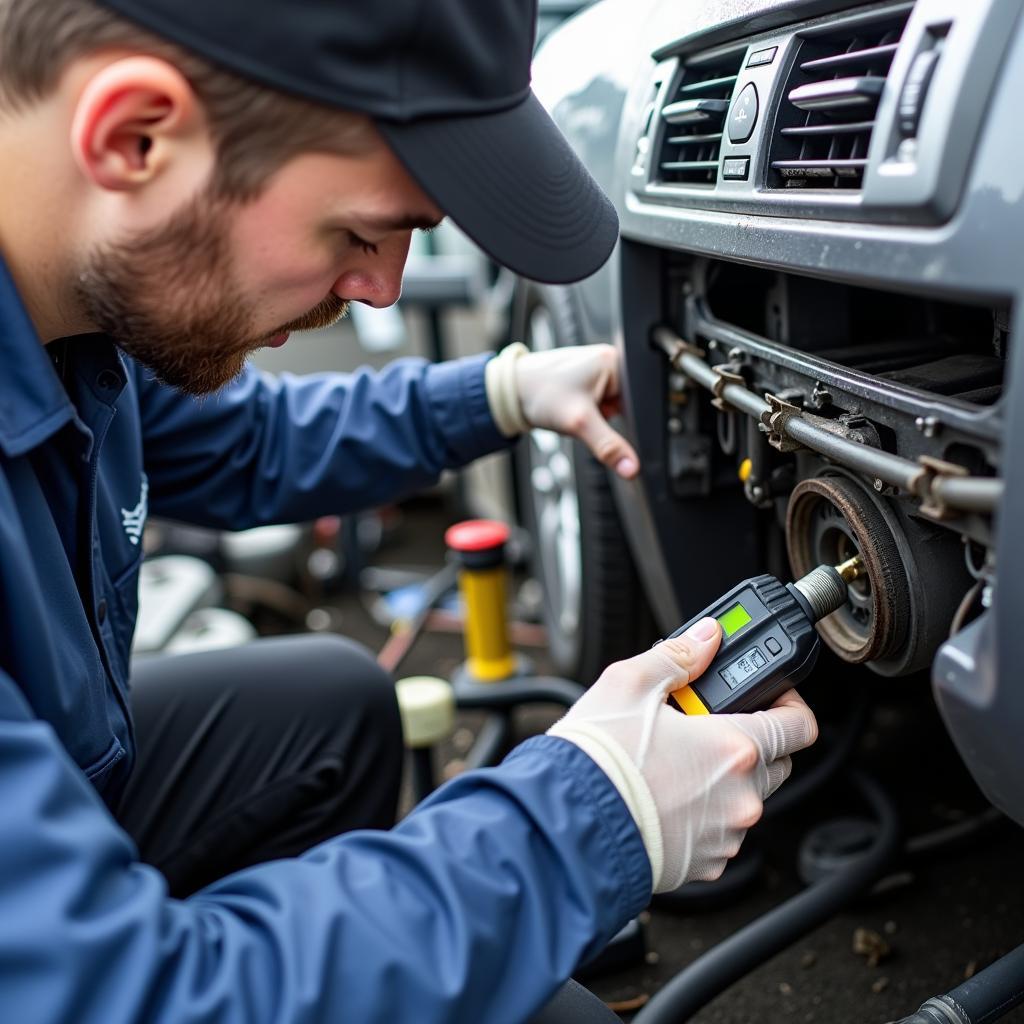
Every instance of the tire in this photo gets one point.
(593, 604)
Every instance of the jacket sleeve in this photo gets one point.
(474, 908)
(286, 449)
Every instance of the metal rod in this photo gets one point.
(968, 494)
(972, 494)
(890, 469)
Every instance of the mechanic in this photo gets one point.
(185, 182)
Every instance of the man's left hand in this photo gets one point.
(569, 390)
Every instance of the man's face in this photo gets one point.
(193, 296)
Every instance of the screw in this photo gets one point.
(675, 426)
(820, 396)
(928, 425)
(677, 381)
(757, 492)
(907, 150)
(878, 485)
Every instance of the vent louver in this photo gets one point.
(827, 111)
(694, 117)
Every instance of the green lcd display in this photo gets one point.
(734, 619)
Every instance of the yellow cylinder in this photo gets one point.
(488, 654)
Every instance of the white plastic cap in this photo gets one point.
(427, 707)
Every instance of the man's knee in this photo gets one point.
(342, 677)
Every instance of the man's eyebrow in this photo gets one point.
(405, 222)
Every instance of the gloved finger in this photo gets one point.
(608, 445)
(778, 772)
(706, 870)
(783, 729)
(683, 658)
(667, 666)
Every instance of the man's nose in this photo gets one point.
(376, 278)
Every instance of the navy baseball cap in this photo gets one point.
(448, 84)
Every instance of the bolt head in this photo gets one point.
(907, 150)
(820, 396)
(878, 485)
(675, 426)
(542, 479)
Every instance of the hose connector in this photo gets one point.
(825, 587)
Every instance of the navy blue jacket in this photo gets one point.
(473, 908)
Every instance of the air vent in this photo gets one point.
(828, 106)
(693, 119)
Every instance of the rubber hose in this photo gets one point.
(993, 992)
(989, 995)
(709, 975)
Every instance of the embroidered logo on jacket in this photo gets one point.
(134, 519)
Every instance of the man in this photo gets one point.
(184, 182)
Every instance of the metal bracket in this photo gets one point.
(686, 348)
(775, 420)
(725, 374)
(674, 346)
(934, 469)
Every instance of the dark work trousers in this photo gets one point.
(258, 752)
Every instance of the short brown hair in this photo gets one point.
(254, 128)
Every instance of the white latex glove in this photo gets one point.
(570, 390)
(694, 784)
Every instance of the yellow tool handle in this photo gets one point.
(688, 702)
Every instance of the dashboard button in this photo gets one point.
(744, 114)
(761, 57)
(773, 645)
(736, 168)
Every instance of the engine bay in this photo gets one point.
(876, 405)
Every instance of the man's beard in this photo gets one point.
(169, 299)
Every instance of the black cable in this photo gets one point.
(993, 992)
(989, 995)
(951, 836)
(709, 975)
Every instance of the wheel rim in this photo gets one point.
(555, 503)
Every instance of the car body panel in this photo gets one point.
(595, 76)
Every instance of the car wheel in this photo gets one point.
(593, 605)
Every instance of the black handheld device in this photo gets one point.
(769, 642)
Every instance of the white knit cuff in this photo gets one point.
(503, 390)
(609, 755)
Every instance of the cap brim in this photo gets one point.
(512, 183)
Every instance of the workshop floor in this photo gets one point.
(927, 928)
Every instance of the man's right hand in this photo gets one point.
(694, 784)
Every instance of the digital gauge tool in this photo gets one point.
(769, 642)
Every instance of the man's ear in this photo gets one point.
(131, 120)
